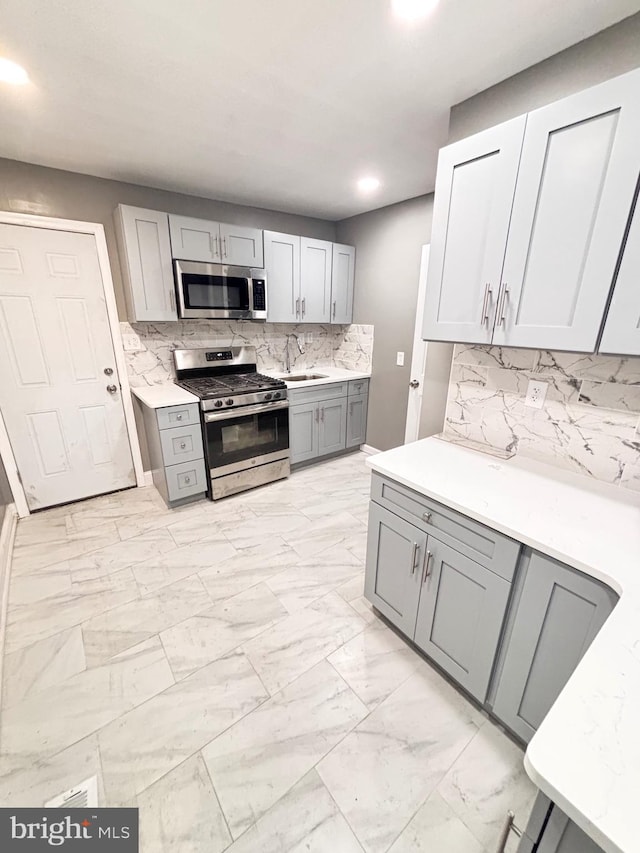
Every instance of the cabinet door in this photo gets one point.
(195, 239)
(622, 328)
(357, 420)
(332, 434)
(303, 432)
(343, 270)
(559, 613)
(315, 280)
(578, 171)
(282, 262)
(241, 246)
(145, 257)
(395, 552)
(561, 835)
(475, 184)
(462, 608)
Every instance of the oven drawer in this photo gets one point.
(186, 479)
(175, 416)
(182, 444)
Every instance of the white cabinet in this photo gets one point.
(475, 183)
(315, 280)
(342, 281)
(282, 262)
(622, 327)
(578, 171)
(215, 242)
(145, 260)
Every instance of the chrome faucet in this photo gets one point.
(287, 357)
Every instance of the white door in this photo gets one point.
(59, 390)
(315, 280)
(342, 280)
(195, 239)
(578, 172)
(475, 184)
(622, 328)
(418, 358)
(282, 262)
(241, 246)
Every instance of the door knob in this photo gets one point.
(112, 389)
(414, 383)
(108, 371)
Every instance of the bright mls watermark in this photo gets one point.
(73, 830)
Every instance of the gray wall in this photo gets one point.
(5, 492)
(388, 245)
(25, 188)
(609, 53)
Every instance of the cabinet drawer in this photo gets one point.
(186, 479)
(358, 386)
(182, 444)
(487, 547)
(175, 416)
(317, 393)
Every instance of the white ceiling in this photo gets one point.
(275, 103)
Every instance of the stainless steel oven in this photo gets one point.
(220, 291)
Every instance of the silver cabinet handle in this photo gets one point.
(213, 246)
(485, 303)
(322, 414)
(187, 479)
(426, 570)
(509, 826)
(112, 389)
(414, 557)
(334, 309)
(183, 444)
(350, 410)
(426, 516)
(502, 310)
(317, 415)
(224, 247)
(172, 299)
(304, 305)
(298, 307)
(178, 417)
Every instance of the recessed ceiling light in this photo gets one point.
(413, 10)
(368, 185)
(11, 72)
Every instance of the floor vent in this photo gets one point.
(83, 796)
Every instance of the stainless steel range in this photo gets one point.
(245, 417)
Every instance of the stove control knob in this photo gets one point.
(229, 402)
(276, 396)
(267, 396)
(218, 403)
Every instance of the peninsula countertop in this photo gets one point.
(586, 754)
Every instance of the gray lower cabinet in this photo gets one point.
(303, 432)
(332, 432)
(176, 452)
(460, 617)
(557, 616)
(549, 830)
(357, 420)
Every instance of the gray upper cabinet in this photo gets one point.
(395, 554)
(282, 262)
(333, 426)
(215, 242)
(559, 613)
(315, 280)
(578, 171)
(462, 608)
(145, 260)
(622, 328)
(475, 183)
(342, 283)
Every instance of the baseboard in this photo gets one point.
(7, 537)
(366, 448)
(148, 478)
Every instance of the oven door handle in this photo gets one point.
(227, 414)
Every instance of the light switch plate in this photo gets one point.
(536, 393)
(400, 359)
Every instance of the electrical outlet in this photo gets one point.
(400, 359)
(309, 338)
(536, 393)
(131, 343)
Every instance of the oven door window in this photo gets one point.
(243, 437)
(215, 292)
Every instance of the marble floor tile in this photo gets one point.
(323, 533)
(121, 555)
(364, 609)
(44, 664)
(256, 761)
(486, 781)
(217, 630)
(312, 578)
(53, 719)
(435, 828)
(113, 508)
(251, 533)
(375, 662)
(161, 571)
(353, 588)
(305, 819)
(142, 745)
(29, 556)
(247, 568)
(207, 521)
(294, 645)
(110, 633)
(32, 588)
(180, 813)
(382, 772)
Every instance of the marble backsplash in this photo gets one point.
(590, 421)
(349, 347)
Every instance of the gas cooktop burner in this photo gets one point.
(236, 383)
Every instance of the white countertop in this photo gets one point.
(164, 394)
(586, 754)
(330, 374)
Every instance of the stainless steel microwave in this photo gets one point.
(220, 291)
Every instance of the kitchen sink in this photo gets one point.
(304, 377)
